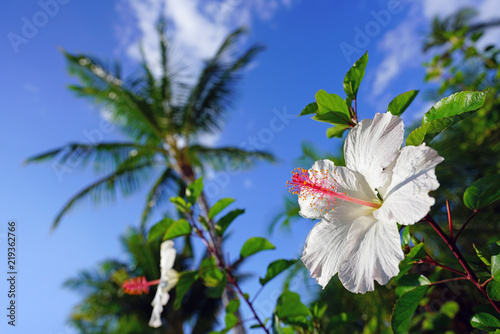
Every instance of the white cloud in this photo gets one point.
(443, 8)
(196, 27)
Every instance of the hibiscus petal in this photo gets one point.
(161, 299)
(411, 177)
(343, 181)
(372, 252)
(167, 257)
(372, 145)
(324, 248)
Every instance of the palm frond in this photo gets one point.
(226, 157)
(130, 111)
(164, 188)
(127, 177)
(105, 156)
(214, 91)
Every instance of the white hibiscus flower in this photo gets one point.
(168, 280)
(360, 204)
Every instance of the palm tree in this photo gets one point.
(106, 309)
(163, 117)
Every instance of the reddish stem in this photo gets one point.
(471, 276)
(449, 219)
(227, 270)
(465, 224)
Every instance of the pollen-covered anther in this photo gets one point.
(322, 188)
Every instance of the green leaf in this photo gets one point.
(170, 229)
(289, 305)
(275, 268)
(225, 221)
(210, 273)
(233, 306)
(410, 282)
(311, 108)
(159, 229)
(255, 245)
(180, 203)
(193, 191)
(415, 254)
(331, 109)
(483, 255)
(219, 206)
(399, 104)
(444, 114)
(186, 279)
(495, 265)
(230, 320)
(217, 291)
(405, 307)
(493, 289)
(483, 192)
(336, 131)
(354, 76)
(485, 321)
(176, 229)
(406, 236)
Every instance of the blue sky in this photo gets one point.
(306, 51)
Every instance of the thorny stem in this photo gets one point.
(226, 269)
(471, 276)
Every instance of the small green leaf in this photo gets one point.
(180, 203)
(219, 206)
(485, 321)
(217, 291)
(399, 104)
(176, 229)
(493, 289)
(415, 254)
(444, 114)
(289, 305)
(331, 102)
(255, 245)
(483, 192)
(483, 254)
(405, 308)
(233, 306)
(495, 265)
(275, 268)
(193, 191)
(410, 282)
(159, 229)
(311, 108)
(336, 131)
(406, 236)
(186, 279)
(210, 273)
(230, 320)
(354, 76)
(225, 221)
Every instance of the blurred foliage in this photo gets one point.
(107, 309)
